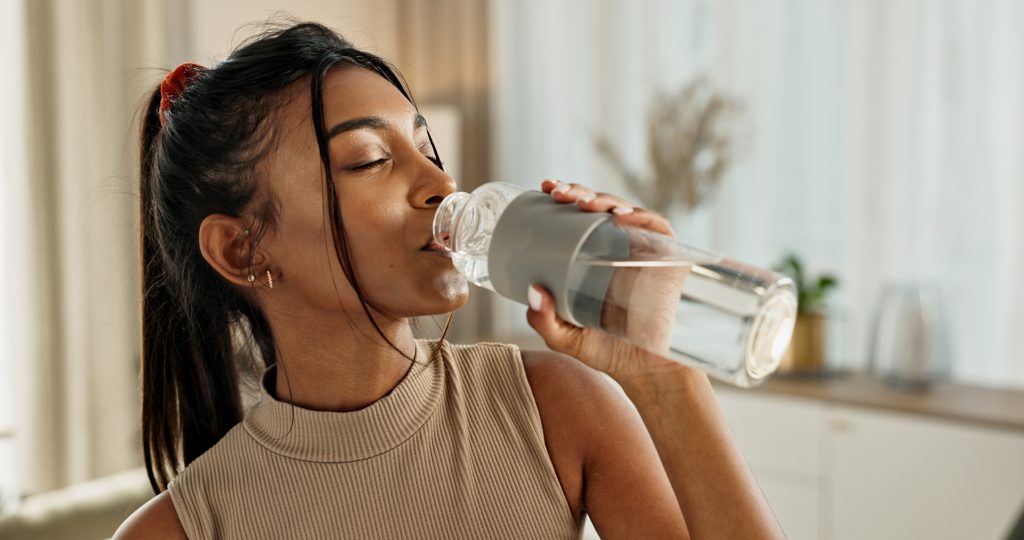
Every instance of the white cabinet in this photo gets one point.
(796, 501)
(781, 439)
(839, 472)
(899, 476)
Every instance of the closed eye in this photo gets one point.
(370, 165)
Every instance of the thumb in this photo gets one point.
(558, 334)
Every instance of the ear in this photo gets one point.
(226, 247)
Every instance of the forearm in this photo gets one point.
(716, 490)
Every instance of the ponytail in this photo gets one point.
(190, 393)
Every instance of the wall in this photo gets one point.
(213, 27)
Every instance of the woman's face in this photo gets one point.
(388, 189)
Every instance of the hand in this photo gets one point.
(640, 302)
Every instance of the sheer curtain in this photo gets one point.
(882, 141)
(69, 289)
(11, 166)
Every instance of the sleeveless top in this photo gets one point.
(455, 450)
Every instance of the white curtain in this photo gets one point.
(881, 140)
(70, 280)
(11, 150)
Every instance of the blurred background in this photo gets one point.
(874, 148)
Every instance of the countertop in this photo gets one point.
(980, 405)
(950, 400)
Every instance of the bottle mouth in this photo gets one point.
(771, 332)
(444, 219)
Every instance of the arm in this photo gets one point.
(603, 455)
(711, 483)
(715, 489)
(155, 520)
(710, 480)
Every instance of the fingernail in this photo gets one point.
(534, 298)
(587, 197)
(622, 210)
(561, 187)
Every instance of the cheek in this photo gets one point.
(375, 236)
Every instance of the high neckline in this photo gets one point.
(334, 437)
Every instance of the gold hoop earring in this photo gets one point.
(270, 280)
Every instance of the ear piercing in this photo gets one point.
(252, 277)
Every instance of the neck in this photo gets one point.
(322, 367)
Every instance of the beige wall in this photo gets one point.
(214, 26)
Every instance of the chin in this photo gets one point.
(453, 294)
(448, 294)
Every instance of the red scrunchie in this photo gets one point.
(175, 83)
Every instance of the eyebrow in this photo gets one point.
(375, 123)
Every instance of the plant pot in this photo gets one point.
(808, 348)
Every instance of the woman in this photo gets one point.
(287, 196)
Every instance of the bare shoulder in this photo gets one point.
(561, 381)
(627, 492)
(568, 396)
(576, 403)
(156, 519)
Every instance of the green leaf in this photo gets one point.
(811, 294)
(827, 281)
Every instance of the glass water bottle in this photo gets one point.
(730, 319)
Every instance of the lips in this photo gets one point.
(437, 249)
(434, 245)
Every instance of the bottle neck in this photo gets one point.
(445, 218)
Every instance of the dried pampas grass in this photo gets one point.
(689, 148)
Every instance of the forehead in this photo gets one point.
(353, 92)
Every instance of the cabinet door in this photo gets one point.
(796, 502)
(900, 476)
(780, 438)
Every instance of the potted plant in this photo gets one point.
(807, 349)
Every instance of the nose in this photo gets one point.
(433, 186)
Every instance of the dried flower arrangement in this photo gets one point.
(689, 148)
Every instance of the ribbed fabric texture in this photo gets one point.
(455, 450)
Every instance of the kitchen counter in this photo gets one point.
(993, 407)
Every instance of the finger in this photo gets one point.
(626, 212)
(559, 335)
(564, 192)
(644, 219)
(548, 184)
(603, 202)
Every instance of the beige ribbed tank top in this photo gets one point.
(455, 450)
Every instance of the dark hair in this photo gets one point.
(203, 160)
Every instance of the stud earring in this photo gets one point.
(270, 280)
(251, 278)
